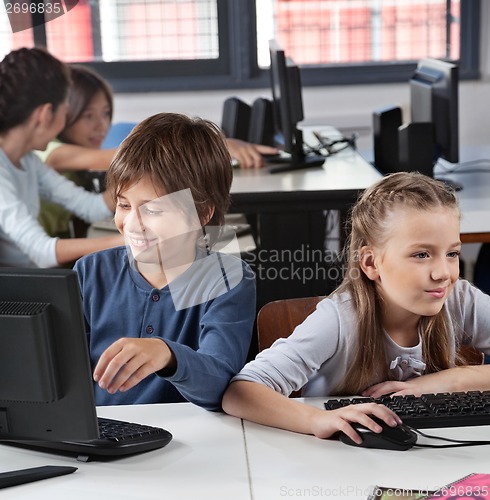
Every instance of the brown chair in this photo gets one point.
(278, 319)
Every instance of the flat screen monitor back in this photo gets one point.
(434, 98)
(288, 111)
(286, 94)
(46, 387)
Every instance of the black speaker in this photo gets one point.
(416, 148)
(235, 120)
(261, 130)
(385, 131)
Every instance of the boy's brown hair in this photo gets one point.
(177, 152)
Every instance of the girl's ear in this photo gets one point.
(367, 263)
(43, 114)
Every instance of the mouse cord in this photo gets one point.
(457, 443)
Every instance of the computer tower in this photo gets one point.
(261, 130)
(235, 120)
(416, 148)
(385, 131)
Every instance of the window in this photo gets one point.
(191, 44)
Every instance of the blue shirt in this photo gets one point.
(210, 340)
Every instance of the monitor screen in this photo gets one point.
(46, 386)
(288, 108)
(434, 98)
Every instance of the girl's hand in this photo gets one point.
(327, 423)
(392, 387)
(128, 361)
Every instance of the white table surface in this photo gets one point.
(215, 456)
(474, 198)
(205, 459)
(349, 170)
(289, 465)
(346, 170)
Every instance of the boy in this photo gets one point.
(169, 320)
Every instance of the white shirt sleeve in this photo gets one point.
(19, 224)
(20, 190)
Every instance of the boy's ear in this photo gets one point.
(367, 262)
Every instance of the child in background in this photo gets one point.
(169, 320)
(33, 86)
(77, 148)
(88, 119)
(393, 326)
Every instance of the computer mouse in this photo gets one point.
(399, 438)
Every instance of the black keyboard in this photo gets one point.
(457, 409)
(117, 438)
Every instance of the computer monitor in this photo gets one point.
(288, 109)
(46, 387)
(434, 98)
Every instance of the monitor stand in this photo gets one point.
(291, 165)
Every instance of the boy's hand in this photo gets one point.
(128, 361)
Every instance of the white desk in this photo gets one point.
(205, 459)
(332, 186)
(474, 199)
(289, 465)
(216, 456)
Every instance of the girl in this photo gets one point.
(33, 87)
(392, 327)
(169, 320)
(88, 119)
(77, 148)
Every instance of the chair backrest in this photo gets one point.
(278, 319)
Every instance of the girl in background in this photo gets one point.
(78, 146)
(33, 87)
